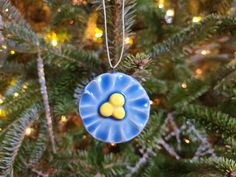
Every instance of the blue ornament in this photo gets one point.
(114, 108)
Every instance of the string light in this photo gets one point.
(63, 119)
(98, 33)
(205, 52)
(1, 99)
(187, 141)
(54, 42)
(169, 16)
(12, 52)
(25, 86)
(0, 129)
(4, 46)
(84, 137)
(71, 22)
(161, 4)
(6, 10)
(184, 85)
(129, 41)
(196, 19)
(13, 82)
(170, 13)
(2, 113)
(113, 144)
(151, 102)
(28, 131)
(16, 94)
(52, 39)
(198, 71)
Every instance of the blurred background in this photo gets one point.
(182, 51)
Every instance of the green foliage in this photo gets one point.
(210, 118)
(185, 92)
(114, 23)
(74, 63)
(32, 150)
(12, 14)
(149, 137)
(13, 140)
(223, 165)
(69, 56)
(209, 26)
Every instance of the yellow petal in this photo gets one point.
(119, 113)
(117, 99)
(106, 110)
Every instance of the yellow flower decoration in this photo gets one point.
(114, 107)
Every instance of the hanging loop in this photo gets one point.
(106, 36)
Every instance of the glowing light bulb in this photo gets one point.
(205, 52)
(16, 94)
(4, 46)
(12, 52)
(98, 33)
(187, 141)
(151, 102)
(113, 144)
(161, 6)
(184, 85)
(170, 12)
(129, 41)
(2, 113)
(28, 131)
(13, 82)
(1, 101)
(0, 129)
(63, 119)
(25, 86)
(196, 19)
(6, 10)
(198, 71)
(52, 39)
(54, 42)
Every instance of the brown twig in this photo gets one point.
(116, 30)
(39, 173)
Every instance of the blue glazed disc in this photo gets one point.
(136, 106)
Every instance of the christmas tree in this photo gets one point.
(181, 52)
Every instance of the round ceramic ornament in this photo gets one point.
(114, 107)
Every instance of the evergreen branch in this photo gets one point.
(133, 64)
(72, 55)
(15, 107)
(55, 3)
(211, 25)
(114, 22)
(13, 140)
(12, 13)
(184, 93)
(32, 150)
(67, 52)
(218, 6)
(20, 33)
(80, 88)
(213, 120)
(150, 135)
(224, 165)
(39, 147)
(67, 11)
